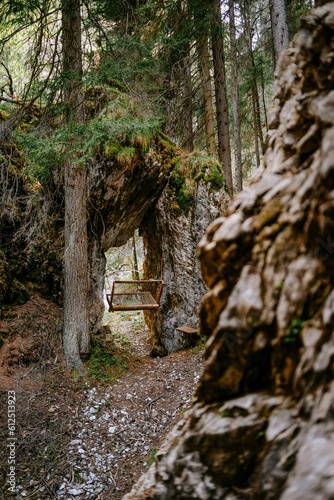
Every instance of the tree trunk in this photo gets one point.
(258, 138)
(135, 271)
(224, 148)
(279, 27)
(264, 106)
(236, 110)
(204, 61)
(186, 94)
(258, 124)
(76, 329)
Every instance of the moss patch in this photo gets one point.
(106, 363)
(188, 170)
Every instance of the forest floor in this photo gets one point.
(85, 437)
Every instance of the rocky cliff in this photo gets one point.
(171, 234)
(262, 425)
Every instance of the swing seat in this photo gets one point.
(135, 295)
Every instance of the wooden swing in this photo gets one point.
(135, 295)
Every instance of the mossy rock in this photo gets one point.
(188, 170)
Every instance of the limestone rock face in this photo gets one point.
(171, 236)
(263, 423)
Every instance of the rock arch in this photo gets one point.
(142, 196)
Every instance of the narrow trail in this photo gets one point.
(95, 439)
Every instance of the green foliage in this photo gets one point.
(200, 345)
(101, 359)
(152, 454)
(139, 46)
(123, 155)
(225, 414)
(116, 11)
(184, 187)
(43, 155)
(4, 113)
(138, 323)
(133, 62)
(215, 178)
(292, 335)
(121, 338)
(296, 9)
(24, 8)
(120, 131)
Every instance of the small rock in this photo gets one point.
(279, 422)
(75, 492)
(76, 441)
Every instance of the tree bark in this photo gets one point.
(135, 271)
(279, 27)
(257, 115)
(258, 135)
(264, 106)
(204, 61)
(76, 326)
(186, 91)
(235, 97)
(224, 148)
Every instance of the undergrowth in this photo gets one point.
(152, 455)
(200, 345)
(120, 131)
(106, 363)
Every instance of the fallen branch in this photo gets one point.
(12, 101)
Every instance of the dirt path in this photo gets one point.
(77, 438)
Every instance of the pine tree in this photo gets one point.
(279, 26)
(204, 61)
(235, 97)
(224, 147)
(76, 324)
